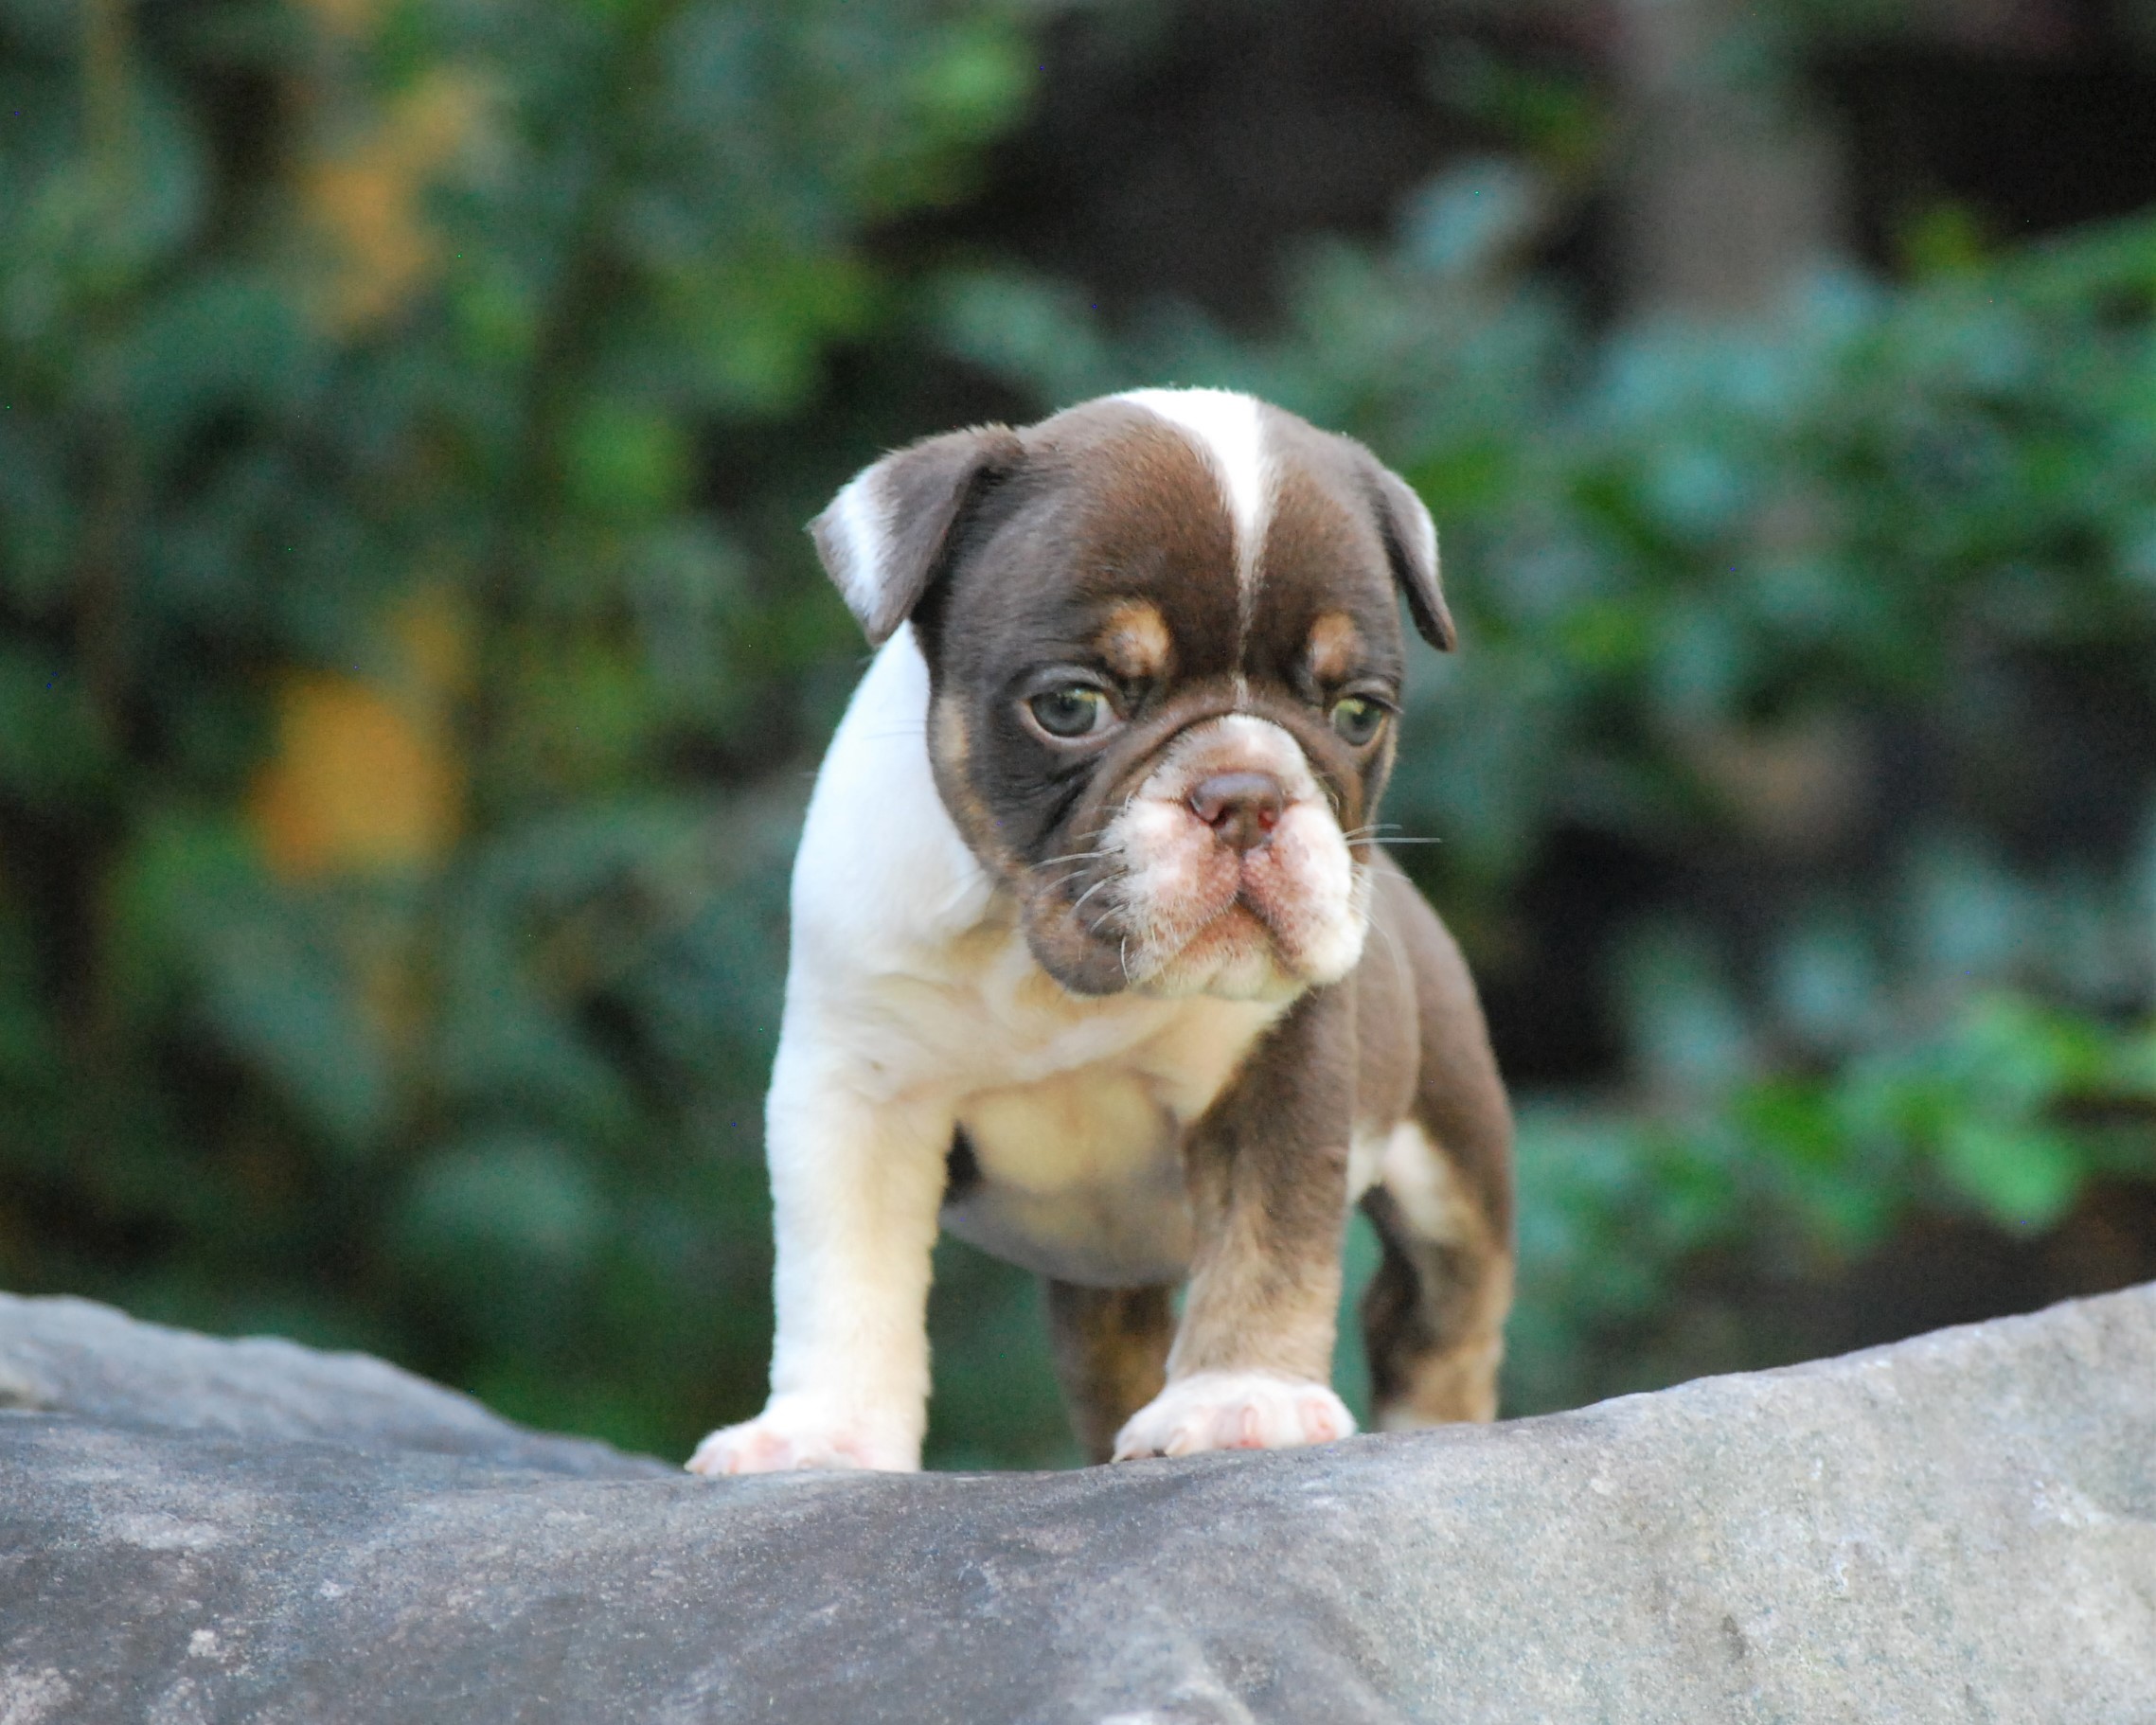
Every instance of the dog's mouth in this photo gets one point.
(1238, 942)
(1191, 893)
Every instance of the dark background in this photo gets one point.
(411, 662)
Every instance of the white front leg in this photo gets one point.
(856, 1190)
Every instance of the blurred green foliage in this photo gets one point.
(410, 662)
(1845, 624)
(393, 827)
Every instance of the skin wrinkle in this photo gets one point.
(1120, 776)
(1221, 745)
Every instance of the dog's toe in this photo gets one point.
(1234, 1411)
(796, 1434)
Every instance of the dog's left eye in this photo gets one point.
(1071, 712)
(1357, 719)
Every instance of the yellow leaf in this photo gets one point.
(350, 19)
(368, 193)
(359, 784)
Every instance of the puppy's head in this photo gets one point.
(1164, 664)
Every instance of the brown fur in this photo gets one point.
(1434, 1315)
(1268, 1167)
(1099, 541)
(1109, 1346)
(1268, 1174)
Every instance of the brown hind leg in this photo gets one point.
(1434, 1315)
(1111, 1352)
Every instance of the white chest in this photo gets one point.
(913, 986)
(1071, 1113)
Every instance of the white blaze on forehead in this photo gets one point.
(1230, 430)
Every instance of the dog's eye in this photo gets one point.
(1357, 720)
(1071, 711)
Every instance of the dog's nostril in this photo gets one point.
(1241, 808)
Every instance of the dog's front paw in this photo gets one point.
(1234, 1411)
(795, 1431)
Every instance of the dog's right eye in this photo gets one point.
(1071, 712)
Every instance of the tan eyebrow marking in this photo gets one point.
(1334, 647)
(1135, 642)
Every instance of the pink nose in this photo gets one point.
(1242, 809)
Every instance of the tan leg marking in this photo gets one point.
(1110, 1353)
(1434, 1316)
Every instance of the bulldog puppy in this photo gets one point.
(1096, 963)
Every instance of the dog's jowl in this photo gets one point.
(1097, 963)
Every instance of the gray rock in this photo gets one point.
(79, 1358)
(1962, 1527)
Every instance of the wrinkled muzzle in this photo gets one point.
(1226, 873)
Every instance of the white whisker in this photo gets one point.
(1399, 958)
(1088, 893)
(1075, 856)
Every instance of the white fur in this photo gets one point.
(1178, 884)
(1425, 527)
(1365, 1160)
(858, 523)
(912, 1003)
(1230, 430)
(1083, 1172)
(1234, 1411)
(1423, 1184)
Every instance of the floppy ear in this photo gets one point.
(885, 536)
(1410, 544)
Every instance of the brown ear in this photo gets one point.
(885, 536)
(1410, 544)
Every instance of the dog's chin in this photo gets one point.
(1231, 955)
(1234, 957)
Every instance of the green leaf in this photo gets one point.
(286, 1002)
(215, 344)
(513, 1195)
(53, 752)
(2022, 1177)
(622, 461)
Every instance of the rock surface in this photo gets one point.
(78, 1358)
(1962, 1527)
